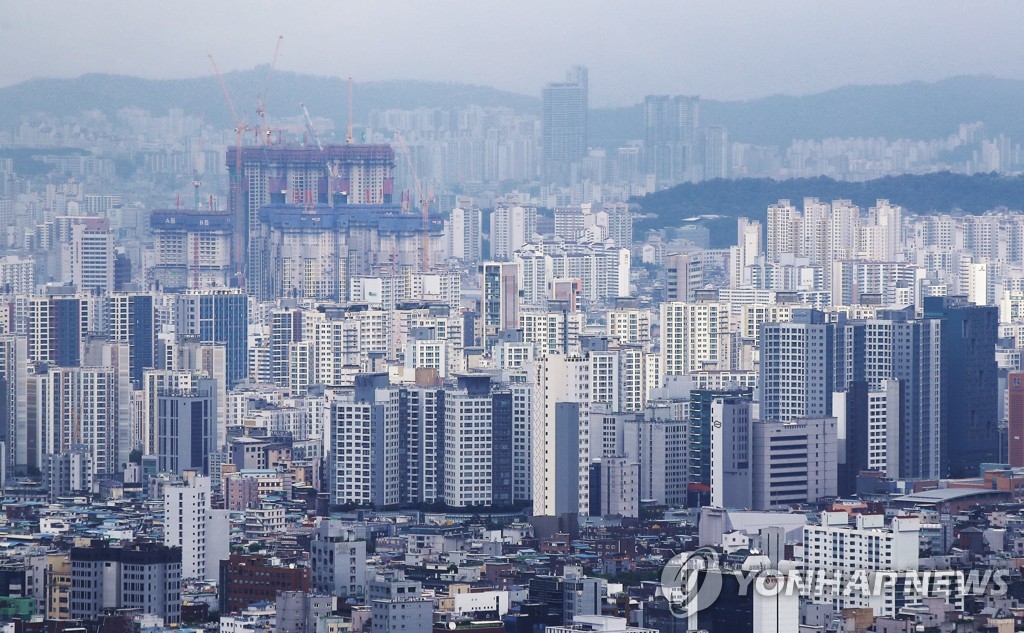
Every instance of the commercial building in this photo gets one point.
(145, 577)
(564, 126)
(793, 462)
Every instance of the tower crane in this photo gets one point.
(261, 99)
(331, 168)
(236, 181)
(348, 137)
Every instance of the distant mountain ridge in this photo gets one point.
(914, 110)
(324, 96)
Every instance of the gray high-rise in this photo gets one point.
(671, 141)
(564, 126)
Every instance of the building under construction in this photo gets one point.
(334, 176)
(311, 251)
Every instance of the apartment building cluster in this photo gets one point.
(321, 405)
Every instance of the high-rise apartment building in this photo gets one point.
(191, 249)
(896, 346)
(130, 319)
(829, 548)
(312, 251)
(717, 153)
(84, 406)
(693, 336)
(88, 258)
(797, 367)
(57, 323)
(684, 275)
(564, 126)
(17, 275)
(746, 252)
(363, 444)
(14, 402)
(464, 230)
(783, 230)
(512, 227)
(658, 441)
(500, 302)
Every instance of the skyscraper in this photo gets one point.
(970, 434)
(130, 320)
(186, 428)
(363, 453)
(702, 403)
(564, 126)
(219, 316)
(56, 325)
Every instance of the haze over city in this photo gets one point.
(720, 50)
(511, 317)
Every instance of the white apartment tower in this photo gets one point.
(363, 453)
(692, 336)
(561, 434)
(783, 230)
(191, 524)
(748, 248)
(834, 546)
(465, 239)
(512, 227)
(468, 443)
(88, 261)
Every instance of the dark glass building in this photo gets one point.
(970, 384)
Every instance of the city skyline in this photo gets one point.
(468, 360)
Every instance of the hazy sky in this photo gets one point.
(726, 49)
